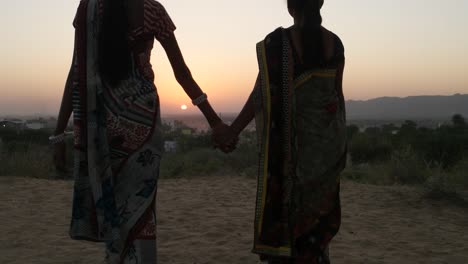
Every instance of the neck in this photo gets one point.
(298, 22)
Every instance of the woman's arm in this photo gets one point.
(339, 85)
(66, 106)
(185, 79)
(247, 114)
(227, 140)
(66, 109)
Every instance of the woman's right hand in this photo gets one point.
(224, 138)
(60, 160)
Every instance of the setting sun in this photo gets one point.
(183, 107)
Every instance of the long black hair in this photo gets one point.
(114, 52)
(312, 39)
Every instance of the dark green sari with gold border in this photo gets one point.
(301, 127)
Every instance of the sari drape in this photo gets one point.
(117, 151)
(302, 150)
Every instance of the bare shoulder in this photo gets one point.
(333, 42)
(333, 47)
(331, 36)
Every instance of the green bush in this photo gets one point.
(442, 185)
(406, 167)
(208, 161)
(434, 158)
(458, 175)
(28, 136)
(197, 162)
(444, 147)
(369, 149)
(351, 130)
(26, 161)
(376, 174)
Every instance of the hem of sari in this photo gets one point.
(86, 238)
(137, 226)
(264, 250)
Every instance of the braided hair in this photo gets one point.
(114, 53)
(311, 31)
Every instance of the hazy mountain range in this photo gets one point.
(413, 107)
(383, 108)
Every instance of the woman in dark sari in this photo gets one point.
(117, 126)
(299, 109)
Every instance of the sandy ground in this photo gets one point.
(209, 220)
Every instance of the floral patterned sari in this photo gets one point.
(117, 143)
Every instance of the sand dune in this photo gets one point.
(209, 220)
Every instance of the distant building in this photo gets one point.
(13, 124)
(187, 131)
(170, 123)
(35, 125)
(52, 122)
(170, 146)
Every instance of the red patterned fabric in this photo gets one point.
(157, 21)
(156, 24)
(117, 169)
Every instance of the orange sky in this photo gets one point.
(393, 48)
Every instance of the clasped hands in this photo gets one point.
(224, 137)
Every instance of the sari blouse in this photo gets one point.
(155, 23)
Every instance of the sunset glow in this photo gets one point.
(393, 48)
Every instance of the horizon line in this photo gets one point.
(230, 113)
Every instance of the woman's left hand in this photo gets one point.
(224, 138)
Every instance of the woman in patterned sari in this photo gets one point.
(298, 105)
(111, 92)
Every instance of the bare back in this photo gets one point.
(329, 43)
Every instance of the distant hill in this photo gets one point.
(427, 111)
(413, 107)
(383, 108)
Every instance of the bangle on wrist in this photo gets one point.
(57, 139)
(199, 100)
